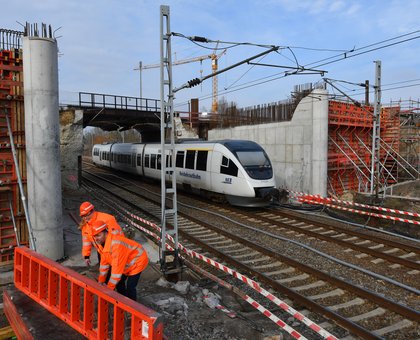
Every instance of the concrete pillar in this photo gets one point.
(40, 69)
(319, 142)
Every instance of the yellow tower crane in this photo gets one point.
(214, 58)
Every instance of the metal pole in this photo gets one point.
(22, 193)
(141, 85)
(169, 260)
(374, 180)
(12, 215)
(197, 81)
(366, 92)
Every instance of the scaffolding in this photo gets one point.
(350, 149)
(13, 226)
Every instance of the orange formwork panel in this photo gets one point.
(12, 106)
(94, 311)
(350, 144)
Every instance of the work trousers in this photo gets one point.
(128, 286)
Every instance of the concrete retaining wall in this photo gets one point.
(71, 146)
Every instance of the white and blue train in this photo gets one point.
(239, 170)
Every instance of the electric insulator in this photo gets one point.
(193, 82)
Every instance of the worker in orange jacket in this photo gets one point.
(89, 216)
(126, 259)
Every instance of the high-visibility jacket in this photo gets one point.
(124, 256)
(87, 238)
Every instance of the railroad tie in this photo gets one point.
(395, 327)
(331, 293)
(351, 303)
(374, 312)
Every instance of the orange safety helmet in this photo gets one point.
(86, 208)
(97, 227)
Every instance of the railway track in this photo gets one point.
(359, 310)
(387, 257)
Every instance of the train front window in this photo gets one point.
(256, 163)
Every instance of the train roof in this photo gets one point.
(231, 144)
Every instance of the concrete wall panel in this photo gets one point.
(71, 126)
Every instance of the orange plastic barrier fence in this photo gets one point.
(92, 310)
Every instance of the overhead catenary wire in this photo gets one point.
(336, 58)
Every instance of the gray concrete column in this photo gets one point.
(40, 69)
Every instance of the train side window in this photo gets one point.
(225, 161)
(139, 159)
(168, 161)
(158, 162)
(202, 160)
(228, 167)
(153, 161)
(147, 161)
(189, 160)
(180, 159)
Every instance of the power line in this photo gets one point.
(383, 86)
(337, 58)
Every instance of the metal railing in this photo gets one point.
(98, 100)
(92, 310)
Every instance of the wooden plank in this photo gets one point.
(15, 320)
(7, 332)
(6, 263)
(32, 316)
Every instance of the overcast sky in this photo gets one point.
(101, 42)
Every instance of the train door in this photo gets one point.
(138, 163)
(111, 155)
(142, 156)
(224, 172)
(202, 165)
(168, 165)
(133, 160)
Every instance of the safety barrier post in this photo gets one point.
(92, 310)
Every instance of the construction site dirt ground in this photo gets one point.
(186, 312)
